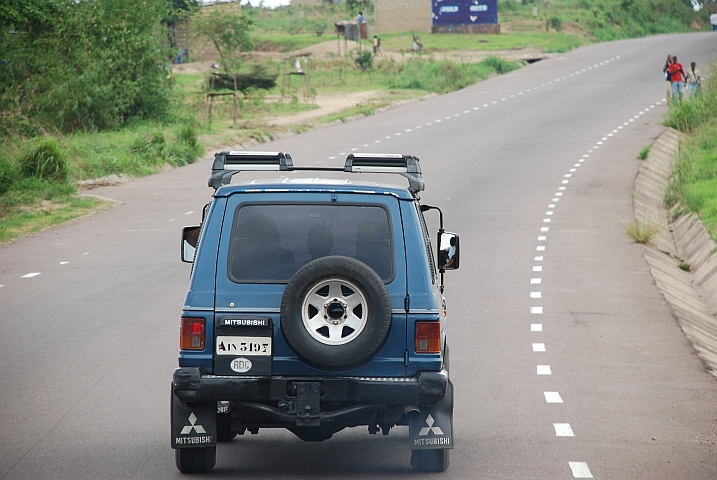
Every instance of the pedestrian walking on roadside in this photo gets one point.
(677, 76)
(668, 81)
(375, 45)
(713, 21)
(693, 80)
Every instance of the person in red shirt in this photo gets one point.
(677, 77)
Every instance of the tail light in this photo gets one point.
(428, 337)
(192, 332)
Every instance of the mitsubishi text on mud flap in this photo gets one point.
(313, 305)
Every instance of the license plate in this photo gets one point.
(244, 346)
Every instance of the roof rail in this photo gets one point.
(226, 164)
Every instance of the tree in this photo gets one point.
(92, 64)
(229, 33)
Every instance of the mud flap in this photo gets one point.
(433, 429)
(193, 424)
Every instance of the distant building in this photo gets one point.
(436, 16)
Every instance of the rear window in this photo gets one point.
(270, 243)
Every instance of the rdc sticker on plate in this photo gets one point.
(243, 345)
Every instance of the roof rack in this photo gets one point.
(226, 164)
(405, 165)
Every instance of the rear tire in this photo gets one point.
(430, 460)
(195, 460)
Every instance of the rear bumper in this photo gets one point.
(426, 389)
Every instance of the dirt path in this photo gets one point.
(328, 104)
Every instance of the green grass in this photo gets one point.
(31, 205)
(693, 182)
(548, 42)
(643, 232)
(644, 153)
(282, 42)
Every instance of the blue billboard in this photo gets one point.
(464, 12)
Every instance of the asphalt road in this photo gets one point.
(534, 169)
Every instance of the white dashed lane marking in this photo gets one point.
(563, 430)
(580, 470)
(552, 397)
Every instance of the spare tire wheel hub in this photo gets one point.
(335, 311)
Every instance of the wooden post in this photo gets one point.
(211, 101)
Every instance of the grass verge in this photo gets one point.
(693, 182)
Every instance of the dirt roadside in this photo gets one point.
(331, 104)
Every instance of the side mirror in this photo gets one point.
(448, 251)
(190, 238)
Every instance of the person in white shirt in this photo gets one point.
(692, 79)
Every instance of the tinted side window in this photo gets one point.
(270, 243)
(427, 241)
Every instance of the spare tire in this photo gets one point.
(335, 312)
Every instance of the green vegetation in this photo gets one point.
(644, 153)
(228, 31)
(81, 65)
(693, 183)
(604, 20)
(546, 42)
(643, 232)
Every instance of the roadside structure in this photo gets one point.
(431, 16)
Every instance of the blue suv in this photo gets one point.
(314, 305)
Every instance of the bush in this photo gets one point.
(556, 23)
(150, 148)
(188, 135)
(364, 60)
(45, 161)
(499, 65)
(8, 175)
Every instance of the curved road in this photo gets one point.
(566, 360)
